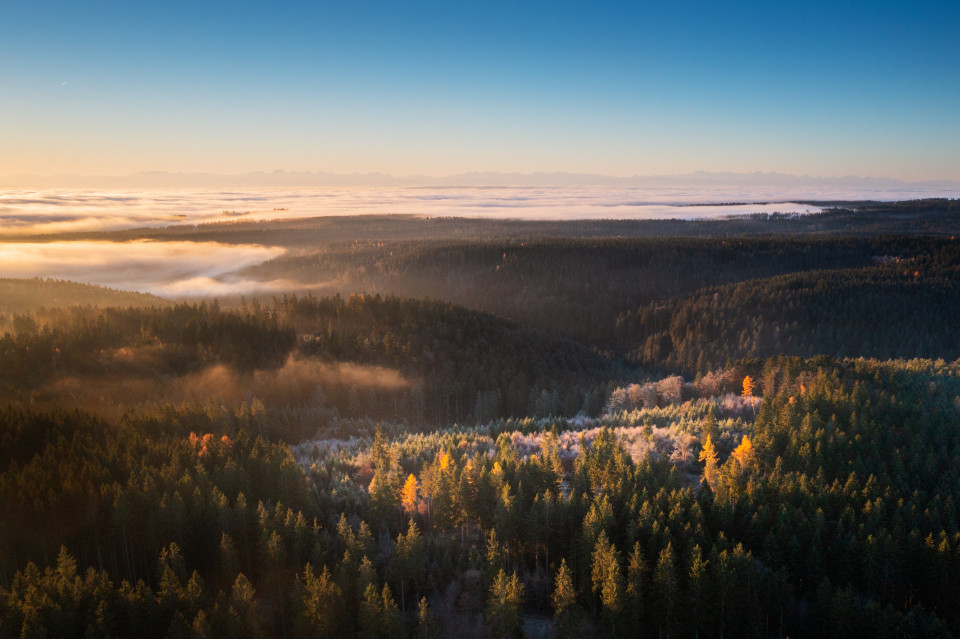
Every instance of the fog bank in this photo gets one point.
(35, 211)
(171, 269)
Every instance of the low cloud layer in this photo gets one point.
(172, 269)
(204, 269)
(31, 211)
(24, 212)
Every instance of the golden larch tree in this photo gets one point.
(709, 455)
(745, 454)
(748, 386)
(410, 495)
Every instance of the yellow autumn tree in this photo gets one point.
(709, 455)
(410, 495)
(748, 385)
(745, 454)
(736, 471)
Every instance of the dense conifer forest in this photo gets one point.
(498, 429)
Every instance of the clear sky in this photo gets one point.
(819, 88)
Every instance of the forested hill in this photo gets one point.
(20, 296)
(899, 310)
(305, 361)
(576, 287)
(472, 364)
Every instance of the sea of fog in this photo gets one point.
(53, 210)
(180, 269)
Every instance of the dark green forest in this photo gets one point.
(746, 428)
(900, 310)
(578, 287)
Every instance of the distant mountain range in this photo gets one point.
(162, 179)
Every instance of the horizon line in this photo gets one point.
(512, 178)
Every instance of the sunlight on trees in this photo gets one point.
(748, 386)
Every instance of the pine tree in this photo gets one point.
(637, 570)
(494, 558)
(667, 588)
(405, 559)
(322, 601)
(608, 580)
(710, 427)
(505, 607)
(697, 582)
(370, 621)
(379, 616)
(427, 626)
(391, 618)
(384, 488)
(564, 601)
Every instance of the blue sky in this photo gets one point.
(829, 89)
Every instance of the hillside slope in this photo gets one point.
(902, 310)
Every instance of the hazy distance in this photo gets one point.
(187, 268)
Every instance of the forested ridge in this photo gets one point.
(901, 310)
(578, 287)
(23, 296)
(490, 432)
(305, 362)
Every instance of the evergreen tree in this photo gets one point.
(667, 588)
(322, 604)
(384, 488)
(427, 625)
(564, 601)
(637, 570)
(697, 588)
(504, 612)
(608, 581)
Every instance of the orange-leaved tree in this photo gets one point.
(709, 455)
(745, 454)
(410, 495)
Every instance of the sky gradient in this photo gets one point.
(826, 89)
